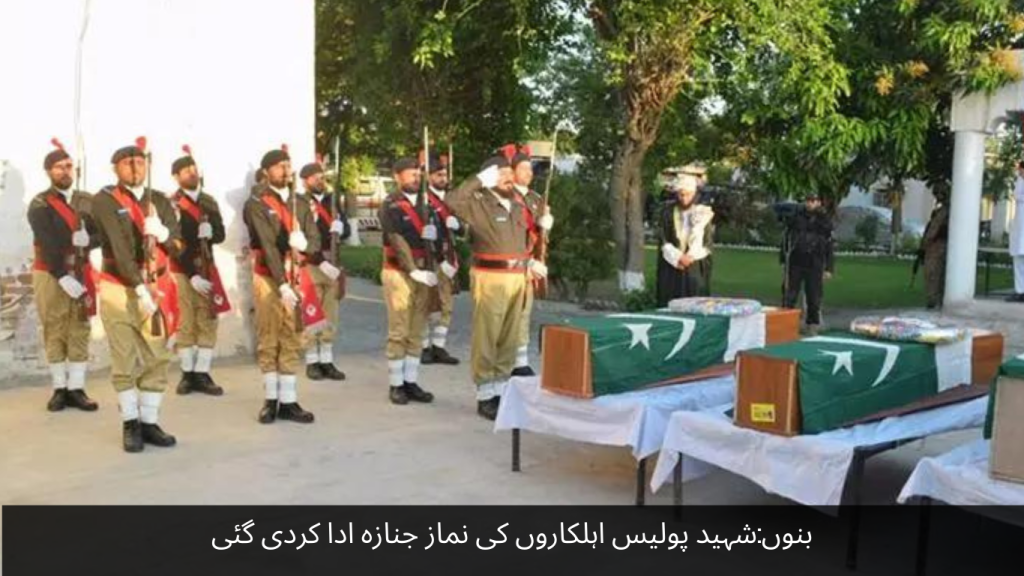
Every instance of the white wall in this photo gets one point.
(232, 79)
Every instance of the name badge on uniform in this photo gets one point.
(501, 219)
(122, 211)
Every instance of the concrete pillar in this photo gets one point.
(964, 218)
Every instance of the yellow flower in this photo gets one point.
(1007, 61)
(1017, 24)
(917, 68)
(884, 83)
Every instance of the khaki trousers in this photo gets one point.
(137, 358)
(65, 336)
(197, 327)
(499, 304)
(406, 302)
(278, 343)
(327, 292)
(524, 323)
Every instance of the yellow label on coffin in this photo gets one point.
(763, 413)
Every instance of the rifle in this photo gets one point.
(205, 259)
(541, 288)
(150, 245)
(295, 254)
(448, 242)
(80, 256)
(422, 201)
(335, 209)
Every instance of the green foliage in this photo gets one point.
(639, 300)
(363, 262)
(579, 251)
(354, 167)
(1004, 151)
(867, 230)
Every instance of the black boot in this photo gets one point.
(417, 394)
(187, 383)
(331, 372)
(295, 413)
(58, 401)
(427, 357)
(398, 396)
(314, 372)
(153, 434)
(269, 412)
(132, 436)
(202, 382)
(441, 356)
(78, 399)
(488, 408)
(523, 371)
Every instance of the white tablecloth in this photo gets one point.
(634, 419)
(960, 477)
(809, 469)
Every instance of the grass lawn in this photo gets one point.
(858, 283)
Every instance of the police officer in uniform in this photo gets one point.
(125, 215)
(63, 232)
(933, 250)
(406, 280)
(319, 345)
(539, 222)
(439, 321)
(684, 268)
(502, 268)
(201, 222)
(807, 257)
(279, 225)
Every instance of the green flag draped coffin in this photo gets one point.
(614, 353)
(1004, 423)
(821, 383)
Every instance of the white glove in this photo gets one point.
(337, 227)
(546, 222)
(297, 241)
(205, 230)
(448, 269)
(201, 285)
(429, 233)
(288, 296)
(155, 228)
(538, 268)
(80, 239)
(72, 286)
(329, 270)
(489, 177)
(145, 300)
(671, 254)
(424, 277)
(452, 223)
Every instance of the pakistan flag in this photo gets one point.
(629, 351)
(844, 376)
(1012, 368)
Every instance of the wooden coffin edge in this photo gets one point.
(954, 395)
(588, 381)
(790, 427)
(992, 471)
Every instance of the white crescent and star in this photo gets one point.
(845, 359)
(640, 332)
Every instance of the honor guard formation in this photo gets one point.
(158, 292)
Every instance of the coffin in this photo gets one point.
(1005, 423)
(614, 353)
(827, 382)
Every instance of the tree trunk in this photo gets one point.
(628, 212)
(896, 200)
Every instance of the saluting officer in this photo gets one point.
(63, 232)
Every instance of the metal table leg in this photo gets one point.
(641, 477)
(853, 479)
(515, 449)
(677, 488)
(921, 565)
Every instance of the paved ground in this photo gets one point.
(361, 449)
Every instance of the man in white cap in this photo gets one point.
(685, 233)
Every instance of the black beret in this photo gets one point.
(54, 157)
(274, 157)
(519, 158)
(127, 152)
(311, 170)
(403, 164)
(182, 163)
(499, 161)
